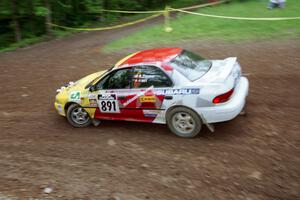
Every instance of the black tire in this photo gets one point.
(78, 123)
(190, 121)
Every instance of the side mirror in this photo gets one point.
(92, 88)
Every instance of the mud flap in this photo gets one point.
(210, 127)
(96, 122)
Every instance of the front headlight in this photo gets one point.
(61, 89)
(71, 83)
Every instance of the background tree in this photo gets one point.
(15, 19)
(31, 19)
(48, 18)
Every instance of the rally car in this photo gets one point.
(169, 86)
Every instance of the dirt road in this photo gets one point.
(254, 157)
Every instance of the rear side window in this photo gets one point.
(190, 65)
(147, 76)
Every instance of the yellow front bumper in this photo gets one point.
(60, 109)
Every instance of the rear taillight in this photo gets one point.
(223, 97)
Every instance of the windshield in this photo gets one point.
(97, 78)
(190, 65)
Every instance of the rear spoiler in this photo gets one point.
(218, 74)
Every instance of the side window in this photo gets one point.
(119, 79)
(147, 76)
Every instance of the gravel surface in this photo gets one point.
(251, 157)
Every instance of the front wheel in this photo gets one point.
(77, 116)
(184, 122)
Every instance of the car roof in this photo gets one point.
(150, 56)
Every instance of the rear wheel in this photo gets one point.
(184, 122)
(77, 116)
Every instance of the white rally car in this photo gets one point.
(169, 86)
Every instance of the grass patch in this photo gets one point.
(22, 43)
(186, 26)
(184, 3)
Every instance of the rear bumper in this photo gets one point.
(230, 109)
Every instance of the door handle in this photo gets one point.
(168, 97)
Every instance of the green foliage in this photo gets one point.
(183, 3)
(191, 27)
(41, 11)
(93, 6)
(29, 17)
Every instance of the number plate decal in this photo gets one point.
(108, 103)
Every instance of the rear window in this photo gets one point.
(190, 65)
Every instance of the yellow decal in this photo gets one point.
(123, 59)
(147, 99)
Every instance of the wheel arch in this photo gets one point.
(68, 104)
(182, 106)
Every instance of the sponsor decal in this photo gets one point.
(151, 113)
(143, 76)
(92, 96)
(181, 91)
(147, 99)
(93, 102)
(75, 96)
(108, 103)
(142, 93)
(107, 97)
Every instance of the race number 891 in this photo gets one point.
(108, 103)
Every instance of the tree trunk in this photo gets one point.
(105, 6)
(31, 11)
(31, 20)
(16, 22)
(48, 18)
